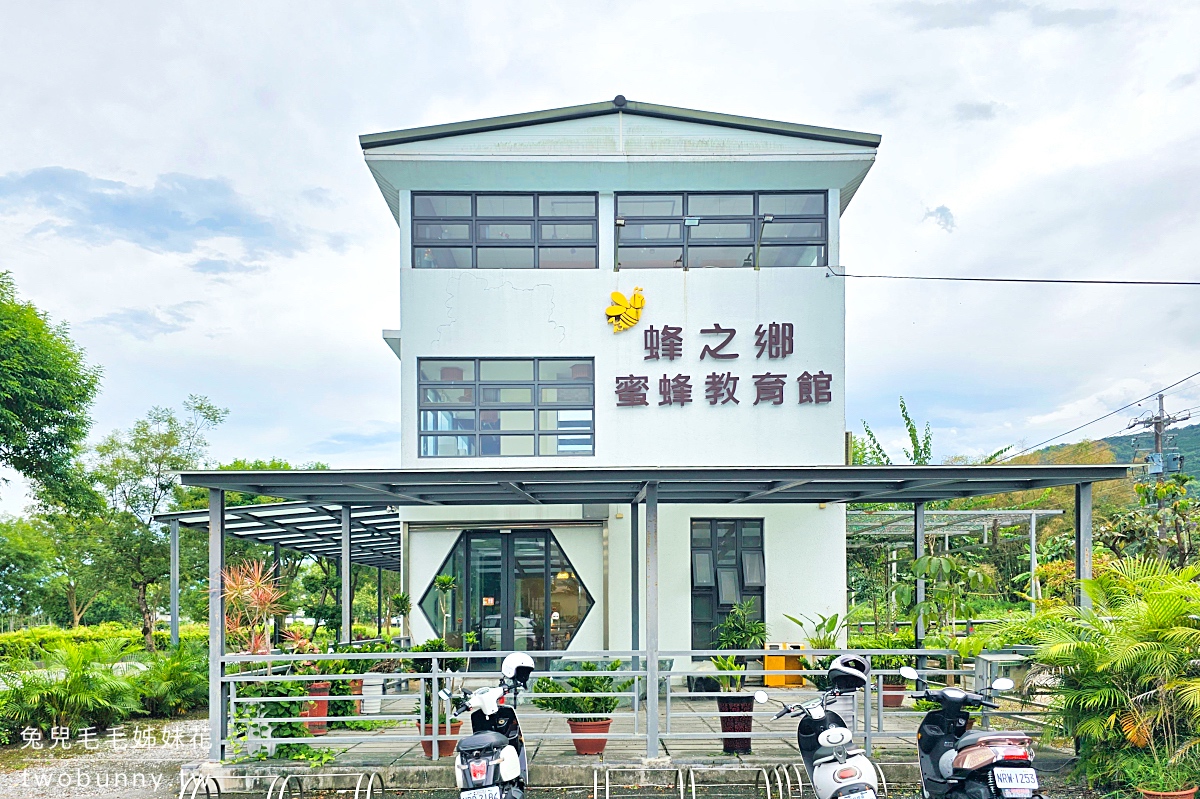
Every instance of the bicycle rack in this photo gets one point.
(761, 773)
(196, 782)
(642, 770)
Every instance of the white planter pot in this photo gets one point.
(372, 693)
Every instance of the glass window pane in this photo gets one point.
(565, 445)
(721, 230)
(567, 395)
(752, 535)
(727, 543)
(504, 205)
(490, 231)
(569, 598)
(565, 420)
(506, 370)
(576, 231)
(567, 258)
(447, 420)
(436, 232)
(438, 396)
(775, 231)
(634, 232)
(446, 371)
(727, 587)
(505, 445)
(792, 204)
(754, 572)
(441, 257)
(699, 257)
(564, 371)
(791, 256)
(447, 612)
(505, 257)
(447, 446)
(650, 205)
(566, 205)
(506, 420)
(702, 570)
(497, 395)
(702, 609)
(650, 257)
(436, 205)
(720, 204)
(702, 533)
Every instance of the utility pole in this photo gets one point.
(1159, 423)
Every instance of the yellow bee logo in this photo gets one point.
(625, 313)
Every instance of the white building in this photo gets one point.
(515, 234)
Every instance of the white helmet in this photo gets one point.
(517, 667)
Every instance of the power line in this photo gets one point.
(1024, 280)
(1099, 418)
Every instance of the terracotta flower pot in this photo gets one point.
(318, 708)
(356, 689)
(589, 746)
(1188, 793)
(736, 703)
(445, 738)
(893, 695)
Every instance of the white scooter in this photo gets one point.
(835, 769)
(491, 762)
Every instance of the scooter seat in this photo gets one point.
(978, 736)
(488, 739)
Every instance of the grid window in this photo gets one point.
(504, 231)
(728, 566)
(663, 231)
(506, 407)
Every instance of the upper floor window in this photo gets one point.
(696, 230)
(504, 231)
(506, 406)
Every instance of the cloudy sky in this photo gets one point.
(182, 184)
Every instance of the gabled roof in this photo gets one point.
(619, 104)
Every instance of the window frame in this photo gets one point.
(711, 593)
(474, 242)
(757, 241)
(536, 406)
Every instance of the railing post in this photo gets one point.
(217, 709)
(652, 620)
(174, 582)
(919, 552)
(867, 716)
(434, 702)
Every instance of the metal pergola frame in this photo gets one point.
(363, 492)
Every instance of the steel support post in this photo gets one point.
(635, 577)
(1083, 541)
(919, 552)
(1033, 584)
(216, 622)
(652, 620)
(174, 582)
(378, 601)
(276, 572)
(347, 616)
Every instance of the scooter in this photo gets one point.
(835, 769)
(491, 763)
(957, 763)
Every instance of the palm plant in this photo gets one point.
(444, 584)
(1126, 669)
(76, 685)
(175, 681)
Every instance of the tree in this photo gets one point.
(46, 391)
(134, 470)
(22, 566)
(75, 555)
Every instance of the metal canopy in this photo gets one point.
(885, 523)
(574, 486)
(311, 528)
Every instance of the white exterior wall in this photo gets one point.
(560, 313)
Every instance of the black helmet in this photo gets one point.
(849, 673)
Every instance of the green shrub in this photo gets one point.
(175, 680)
(25, 644)
(582, 708)
(80, 685)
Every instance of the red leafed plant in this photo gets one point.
(253, 597)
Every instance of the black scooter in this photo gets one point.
(491, 762)
(958, 763)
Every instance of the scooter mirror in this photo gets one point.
(761, 697)
(909, 673)
(1002, 684)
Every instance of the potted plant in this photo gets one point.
(447, 728)
(894, 685)
(300, 644)
(738, 630)
(1159, 775)
(402, 605)
(588, 715)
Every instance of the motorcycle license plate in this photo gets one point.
(867, 794)
(490, 792)
(1016, 783)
